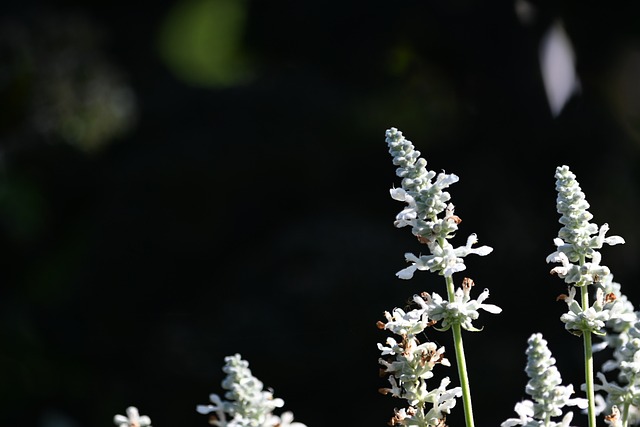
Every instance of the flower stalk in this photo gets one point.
(461, 362)
(588, 365)
(432, 220)
(577, 249)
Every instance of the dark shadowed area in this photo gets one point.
(185, 180)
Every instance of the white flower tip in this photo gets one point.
(398, 194)
(552, 258)
(614, 240)
(490, 308)
(204, 409)
(579, 402)
(409, 257)
(406, 273)
(484, 250)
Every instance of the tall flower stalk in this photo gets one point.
(577, 249)
(431, 218)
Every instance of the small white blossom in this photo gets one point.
(443, 401)
(592, 320)
(132, 419)
(286, 420)
(462, 310)
(524, 410)
(406, 323)
(443, 259)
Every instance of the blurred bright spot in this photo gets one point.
(557, 65)
(89, 113)
(525, 11)
(63, 83)
(201, 42)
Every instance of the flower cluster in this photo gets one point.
(425, 201)
(410, 364)
(462, 310)
(248, 405)
(578, 238)
(624, 392)
(578, 241)
(544, 386)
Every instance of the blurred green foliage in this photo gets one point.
(201, 42)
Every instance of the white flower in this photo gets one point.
(286, 420)
(406, 323)
(443, 401)
(592, 320)
(569, 272)
(220, 418)
(444, 259)
(524, 410)
(406, 217)
(463, 310)
(132, 419)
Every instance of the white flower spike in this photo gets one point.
(248, 405)
(428, 211)
(409, 363)
(549, 397)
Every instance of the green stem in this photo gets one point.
(625, 413)
(588, 362)
(461, 361)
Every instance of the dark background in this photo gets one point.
(162, 209)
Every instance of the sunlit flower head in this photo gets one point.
(132, 419)
(247, 404)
